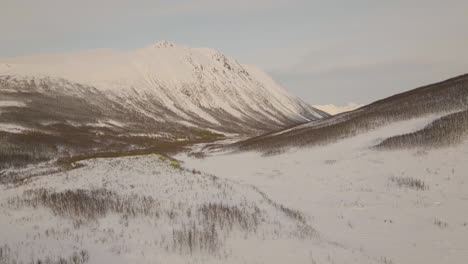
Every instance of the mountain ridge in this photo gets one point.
(188, 78)
(448, 98)
(87, 102)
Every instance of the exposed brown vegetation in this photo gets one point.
(61, 117)
(448, 130)
(205, 229)
(450, 95)
(87, 205)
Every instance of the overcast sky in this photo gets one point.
(324, 51)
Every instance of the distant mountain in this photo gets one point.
(447, 100)
(104, 99)
(336, 109)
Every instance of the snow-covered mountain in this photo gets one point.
(337, 109)
(95, 129)
(106, 100)
(167, 82)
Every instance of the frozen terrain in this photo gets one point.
(345, 202)
(148, 209)
(56, 106)
(147, 156)
(447, 99)
(163, 82)
(401, 206)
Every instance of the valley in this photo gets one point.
(174, 154)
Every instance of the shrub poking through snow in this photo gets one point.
(9, 256)
(440, 223)
(409, 182)
(194, 228)
(87, 205)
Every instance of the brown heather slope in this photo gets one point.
(447, 96)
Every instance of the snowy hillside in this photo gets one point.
(194, 84)
(62, 105)
(388, 179)
(140, 157)
(149, 209)
(346, 202)
(447, 99)
(402, 206)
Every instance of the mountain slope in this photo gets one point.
(92, 101)
(443, 98)
(194, 84)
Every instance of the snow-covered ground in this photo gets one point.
(340, 203)
(395, 206)
(12, 128)
(146, 209)
(11, 104)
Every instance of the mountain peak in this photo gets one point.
(164, 44)
(198, 85)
